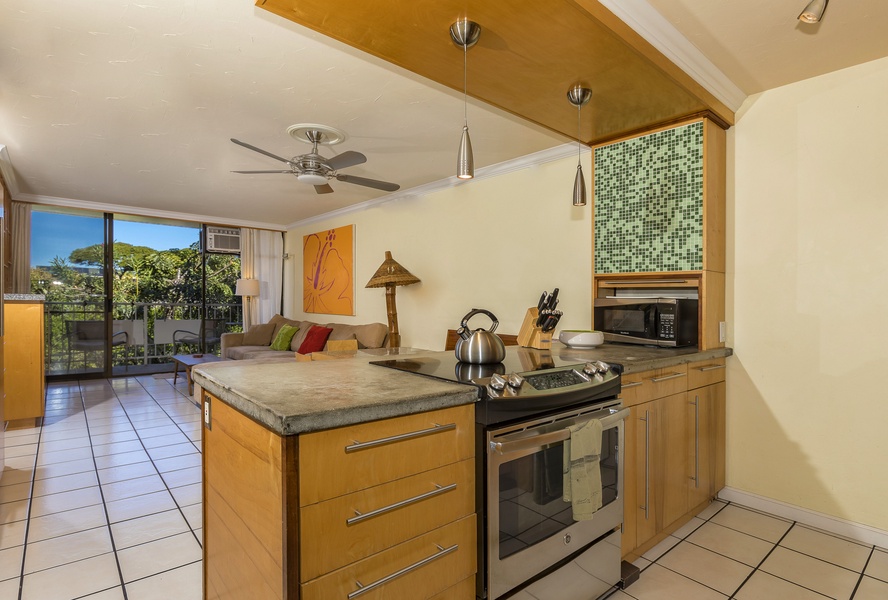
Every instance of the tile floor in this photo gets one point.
(104, 502)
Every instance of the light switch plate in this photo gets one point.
(722, 331)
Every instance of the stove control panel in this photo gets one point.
(548, 381)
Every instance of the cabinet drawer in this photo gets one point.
(419, 568)
(348, 459)
(404, 509)
(649, 385)
(706, 372)
(463, 590)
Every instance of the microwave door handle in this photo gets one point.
(506, 446)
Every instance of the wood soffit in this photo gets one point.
(528, 56)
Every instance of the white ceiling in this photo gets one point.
(130, 105)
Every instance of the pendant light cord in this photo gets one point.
(579, 146)
(465, 84)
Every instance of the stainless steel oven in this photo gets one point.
(530, 528)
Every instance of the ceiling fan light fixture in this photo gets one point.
(465, 34)
(311, 178)
(813, 13)
(579, 96)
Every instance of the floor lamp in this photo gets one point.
(390, 275)
(247, 288)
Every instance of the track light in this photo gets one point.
(578, 96)
(814, 11)
(465, 33)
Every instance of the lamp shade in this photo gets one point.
(391, 273)
(246, 287)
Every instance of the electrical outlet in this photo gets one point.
(207, 421)
(722, 331)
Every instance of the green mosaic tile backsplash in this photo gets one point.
(649, 203)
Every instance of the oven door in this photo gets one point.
(530, 528)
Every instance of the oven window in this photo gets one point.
(531, 507)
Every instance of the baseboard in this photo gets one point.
(849, 529)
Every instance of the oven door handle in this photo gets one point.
(523, 443)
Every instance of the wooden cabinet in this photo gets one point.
(387, 504)
(674, 461)
(23, 361)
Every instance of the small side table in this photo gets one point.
(188, 361)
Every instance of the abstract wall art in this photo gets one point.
(328, 283)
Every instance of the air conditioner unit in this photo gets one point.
(223, 239)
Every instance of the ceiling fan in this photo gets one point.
(314, 169)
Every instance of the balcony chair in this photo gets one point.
(89, 336)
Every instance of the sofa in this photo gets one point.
(256, 343)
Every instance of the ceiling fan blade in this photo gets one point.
(259, 150)
(349, 158)
(371, 183)
(281, 171)
(324, 189)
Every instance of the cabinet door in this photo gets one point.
(661, 478)
(706, 442)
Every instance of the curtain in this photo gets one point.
(262, 258)
(20, 222)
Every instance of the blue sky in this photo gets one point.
(54, 234)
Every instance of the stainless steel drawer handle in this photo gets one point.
(399, 438)
(647, 462)
(359, 516)
(363, 589)
(667, 377)
(710, 368)
(520, 441)
(643, 282)
(631, 384)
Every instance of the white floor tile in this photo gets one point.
(132, 487)
(65, 483)
(147, 529)
(827, 547)
(659, 583)
(124, 472)
(13, 534)
(13, 511)
(9, 589)
(183, 583)
(11, 562)
(751, 522)
(820, 576)
(871, 589)
(171, 451)
(139, 506)
(70, 467)
(120, 459)
(660, 549)
(158, 556)
(187, 495)
(64, 523)
(53, 503)
(72, 580)
(878, 565)
(189, 476)
(61, 550)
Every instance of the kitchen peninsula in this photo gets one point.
(291, 450)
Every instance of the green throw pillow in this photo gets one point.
(283, 338)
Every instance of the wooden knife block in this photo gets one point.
(531, 336)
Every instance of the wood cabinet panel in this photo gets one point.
(706, 372)
(661, 467)
(464, 590)
(706, 437)
(325, 453)
(249, 538)
(424, 581)
(23, 359)
(328, 542)
(638, 388)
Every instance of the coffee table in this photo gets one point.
(188, 361)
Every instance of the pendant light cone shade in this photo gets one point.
(578, 96)
(465, 34)
(465, 161)
(814, 11)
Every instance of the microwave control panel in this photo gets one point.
(666, 324)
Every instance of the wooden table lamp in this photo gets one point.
(390, 275)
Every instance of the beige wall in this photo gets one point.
(493, 243)
(808, 295)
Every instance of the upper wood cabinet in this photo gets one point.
(659, 201)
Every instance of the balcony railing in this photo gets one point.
(144, 334)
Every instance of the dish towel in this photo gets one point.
(581, 471)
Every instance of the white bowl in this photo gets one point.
(581, 338)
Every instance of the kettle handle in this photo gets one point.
(475, 311)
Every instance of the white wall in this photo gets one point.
(808, 295)
(493, 243)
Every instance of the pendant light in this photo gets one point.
(578, 96)
(465, 33)
(814, 11)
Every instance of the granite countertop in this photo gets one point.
(290, 397)
(24, 298)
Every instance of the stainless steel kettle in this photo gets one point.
(481, 346)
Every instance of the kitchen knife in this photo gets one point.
(553, 300)
(542, 301)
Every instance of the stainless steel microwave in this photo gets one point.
(670, 322)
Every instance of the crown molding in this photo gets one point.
(503, 168)
(142, 212)
(660, 33)
(8, 173)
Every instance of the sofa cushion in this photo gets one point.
(304, 328)
(259, 335)
(284, 337)
(315, 340)
(279, 321)
(266, 354)
(241, 352)
(371, 335)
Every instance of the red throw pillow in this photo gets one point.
(315, 339)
